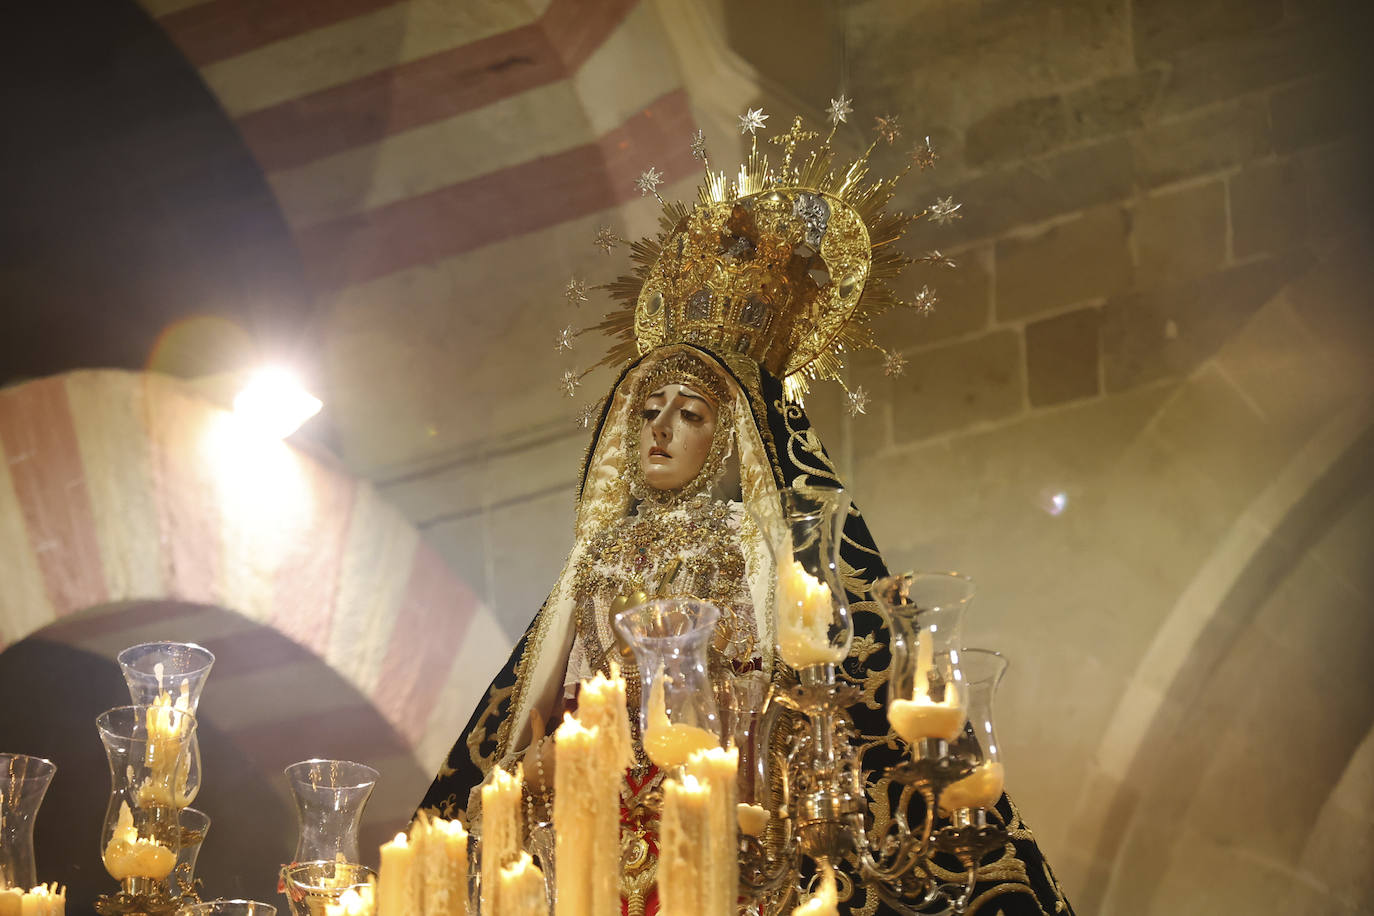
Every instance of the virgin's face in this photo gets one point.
(675, 437)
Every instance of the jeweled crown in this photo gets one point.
(783, 265)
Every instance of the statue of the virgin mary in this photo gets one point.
(737, 304)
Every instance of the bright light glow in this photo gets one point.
(274, 403)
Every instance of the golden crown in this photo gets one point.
(784, 266)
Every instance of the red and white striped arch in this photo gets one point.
(119, 486)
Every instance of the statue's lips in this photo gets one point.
(657, 452)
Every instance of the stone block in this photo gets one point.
(1169, 330)
(1179, 233)
(1340, 188)
(1313, 112)
(1196, 145)
(955, 386)
(1062, 357)
(964, 303)
(1203, 76)
(1085, 258)
(1112, 105)
(1164, 27)
(1268, 208)
(1032, 192)
(1022, 129)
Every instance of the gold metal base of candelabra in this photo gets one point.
(138, 897)
(970, 837)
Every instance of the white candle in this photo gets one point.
(444, 866)
(684, 836)
(129, 855)
(168, 762)
(501, 832)
(353, 902)
(522, 889)
(668, 743)
(979, 789)
(753, 819)
(396, 879)
(43, 900)
(581, 793)
(826, 900)
(805, 612)
(718, 769)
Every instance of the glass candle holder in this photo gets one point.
(148, 751)
(926, 696)
(752, 720)
(24, 781)
(228, 908)
(170, 674)
(195, 824)
(312, 886)
(330, 796)
(983, 670)
(678, 714)
(803, 533)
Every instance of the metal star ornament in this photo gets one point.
(649, 181)
(576, 291)
(888, 128)
(923, 155)
(698, 145)
(936, 259)
(894, 364)
(587, 416)
(569, 383)
(944, 210)
(840, 109)
(924, 302)
(856, 401)
(566, 338)
(606, 239)
(751, 121)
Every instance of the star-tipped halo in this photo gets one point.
(888, 128)
(840, 109)
(936, 259)
(924, 301)
(698, 145)
(856, 401)
(752, 121)
(606, 239)
(649, 181)
(569, 383)
(576, 291)
(565, 339)
(894, 363)
(944, 210)
(923, 155)
(587, 415)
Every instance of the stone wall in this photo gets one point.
(1139, 417)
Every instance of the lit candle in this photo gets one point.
(718, 768)
(684, 836)
(805, 612)
(129, 855)
(396, 879)
(43, 900)
(169, 765)
(601, 705)
(979, 789)
(501, 832)
(753, 819)
(522, 889)
(444, 865)
(667, 743)
(353, 902)
(826, 900)
(920, 716)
